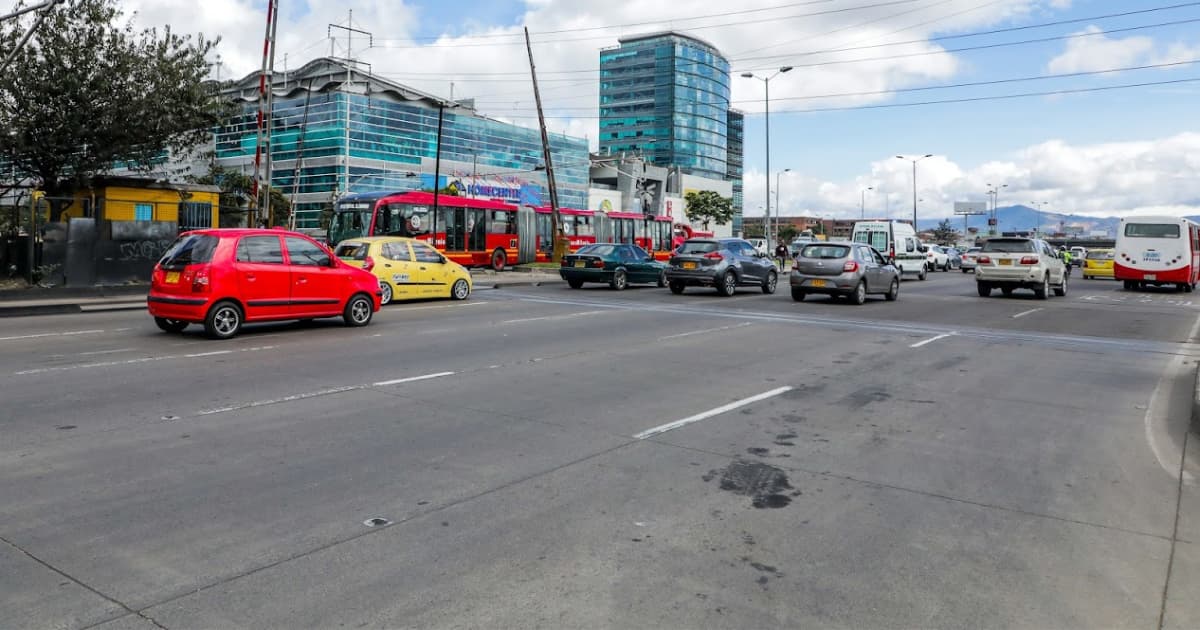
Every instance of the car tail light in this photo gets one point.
(200, 280)
(368, 263)
(714, 256)
(564, 263)
(850, 266)
(1029, 260)
(599, 264)
(984, 260)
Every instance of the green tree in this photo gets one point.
(787, 233)
(945, 233)
(708, 206)
(88, 93)
(235, 195)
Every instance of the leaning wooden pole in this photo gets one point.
(559, 248)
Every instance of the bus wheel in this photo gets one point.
(499, 260)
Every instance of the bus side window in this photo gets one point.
(909, 245)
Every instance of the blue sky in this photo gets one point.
(1114, 152)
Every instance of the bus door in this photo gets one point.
(476, 228)
(452, 221)
(544, 232)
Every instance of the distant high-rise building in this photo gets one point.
(666, 96)
(736, 161)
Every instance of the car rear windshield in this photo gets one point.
(1009, 246)
(698, 247)
(878, 240)
(825, 252)
(1152, 230)
(189, 249)
(1099, 255)
(352, 251)
(597, 250)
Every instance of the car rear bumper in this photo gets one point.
(585, 274)
(183, 308)
(1169, 276)
(698, 277)
(828, 285)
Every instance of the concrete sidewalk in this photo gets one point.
(39, 301)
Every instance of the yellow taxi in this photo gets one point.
(1098, 264)
(407, 269)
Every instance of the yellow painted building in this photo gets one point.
(192, 206)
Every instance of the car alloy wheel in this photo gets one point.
(461, 290)
(859, 297)
(385, 296)
(223, 321)
(894, 291)
(619, 281)
(358, 311)
(770, 283)
(728, 284)
(662, 279)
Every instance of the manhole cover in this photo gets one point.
(376, 522)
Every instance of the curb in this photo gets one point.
(29, 310)
(1195, 424)
(39, 293)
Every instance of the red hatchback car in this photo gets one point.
(223, 278)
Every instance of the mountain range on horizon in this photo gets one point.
(1022, 218)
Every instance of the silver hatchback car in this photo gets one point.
(843, 269)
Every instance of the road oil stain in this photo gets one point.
(765, 485)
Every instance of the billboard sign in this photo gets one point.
(970, 207)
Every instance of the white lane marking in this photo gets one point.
(321, 392)
(113, 351)
(550, 317)
(706, 330)
(710, 413)
(931, 340)
(1024, 313)
(411, 379)
(53, 334)
(80, 366)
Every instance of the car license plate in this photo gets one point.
(818, 283)
(689, 265)
(172, 277)
(1005, 261)
(1151, 276)
(580, 263)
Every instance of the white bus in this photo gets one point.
(1157, 251)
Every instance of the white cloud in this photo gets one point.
(1097, 52)
(1110, 179)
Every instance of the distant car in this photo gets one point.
(615, 264)
(1098, 264)
(968, 259)
(406, 268)
(1078, 255)
(223, 278)
(955, 257)
(798, 244)
(1020, 263)
(726, 263)
(851, 270)
(937, 259)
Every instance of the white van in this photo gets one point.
(760, 245)
(897, 241)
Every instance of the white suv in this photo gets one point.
(937, 259)
(1019, 263)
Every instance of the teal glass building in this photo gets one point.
(666, 96)
(337, 130)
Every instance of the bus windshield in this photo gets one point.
(1152, 230)
(349, 221)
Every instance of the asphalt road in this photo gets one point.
(549, 458)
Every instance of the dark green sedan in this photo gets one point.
(614, 264)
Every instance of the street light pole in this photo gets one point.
(863, 204)
(994, 222)
(767, 112)
(786, 170)
(914, 165)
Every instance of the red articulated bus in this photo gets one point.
(471, 232)
(579, 226)
(652, 233)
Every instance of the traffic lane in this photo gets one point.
(1182, 609)
(34, 594)
(645, 536)
(149, 516)
(1037, 430)
(128, 392)
(952, 303)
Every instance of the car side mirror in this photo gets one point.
(649, 259)
(923, 249)
(441, 260)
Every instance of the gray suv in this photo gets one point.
(843, 269)
(724, 263)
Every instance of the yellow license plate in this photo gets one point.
(818, 283)
(580, 263)
(172, 277)
(1005, 261)
(689, 265)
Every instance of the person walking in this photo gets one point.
(781, 255)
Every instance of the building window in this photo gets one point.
(143, 212)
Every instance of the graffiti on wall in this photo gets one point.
(144, 250)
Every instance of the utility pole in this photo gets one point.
(261, 193)
(350, 63)
(299, 155)
(558, 250)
